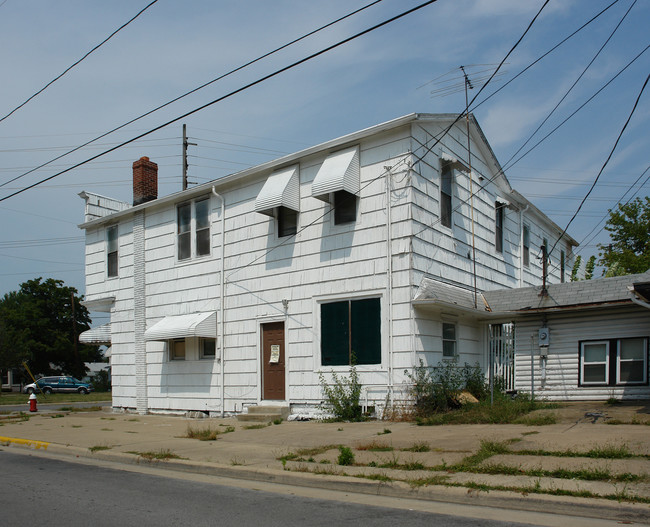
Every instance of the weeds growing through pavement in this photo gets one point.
(160, 455)
(98, 448)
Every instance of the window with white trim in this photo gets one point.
(446, 192)
(177, 349)
(345, 207)
(287, 220)
(208, 348)
(351, 332)
(526, 245)
(112, 251)
(193, 229)
(498, 228)
(448, 340)
(614, 362)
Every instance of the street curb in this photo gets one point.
(570, 506)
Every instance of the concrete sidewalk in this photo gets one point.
(390, 458)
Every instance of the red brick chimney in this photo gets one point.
(145, 181)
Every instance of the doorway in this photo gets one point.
(273, 361)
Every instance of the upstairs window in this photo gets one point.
(526, 246)
(112, 251)
(446, 190)
(351, 332)
(193, 229)
(345, 207)
(498, 231)
(287, 220)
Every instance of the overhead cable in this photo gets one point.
(80, 60)
(230, 94)
(611, 153)
(239, 68)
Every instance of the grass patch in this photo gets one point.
(98, 448)
(430, 480)
(386, 431)
(503, 411)
(160, 455)
(58, 398)
(277, 421)
(257, 426)
(418, 447)
(375, 446)
(56, 416)
(537, 420)
(73, 409)
(374, 477)
(202, 434)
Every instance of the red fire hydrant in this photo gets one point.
(32, 403)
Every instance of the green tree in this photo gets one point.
(629, 232)
(576, 268)
(40, 323)
(589, 267)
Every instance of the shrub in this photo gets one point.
(342, 397)
(436, 389)
(346, 456)
(101, 382)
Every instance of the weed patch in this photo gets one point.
(257, 426)
(375, 446)
(160, 455)
(417, 447)
(346, 456)
(98, 448)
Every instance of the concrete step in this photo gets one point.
(264, 414)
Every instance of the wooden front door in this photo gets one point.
(273, 361)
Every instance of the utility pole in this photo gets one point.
(544, 291)
(186, 143)
(468, 85)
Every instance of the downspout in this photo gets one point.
(222, 302)
(389, 284)
(638, 301)
(521, 245)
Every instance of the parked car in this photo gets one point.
(59, 384)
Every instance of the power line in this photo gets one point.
(566, 94)
(386, 172)
(611, 153)
(603, 218)
(79, 61)
(234, 92)
(220, 77)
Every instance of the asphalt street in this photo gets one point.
(55, 492)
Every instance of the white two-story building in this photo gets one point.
(242, 290)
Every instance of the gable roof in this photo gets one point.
(584, 294)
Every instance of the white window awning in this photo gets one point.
(454, 162)
(183, 326)
(339, 171)
(99, 335)
(282, 189)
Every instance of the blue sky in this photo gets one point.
(174, 47)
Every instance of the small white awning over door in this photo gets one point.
(183, 326)
(339, 171)
(281, 189)
(99, 335)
